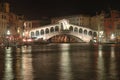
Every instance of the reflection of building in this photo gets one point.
(10, 21)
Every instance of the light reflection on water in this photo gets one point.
(27, 69)
(100, 64)
(65, 66)
(61, 62)
(112, 64)
(8, 73)
(26, 49)
(106, 64)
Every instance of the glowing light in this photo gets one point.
(112, 36)
(8, 32)
(65, 65)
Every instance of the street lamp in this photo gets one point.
(8, 33)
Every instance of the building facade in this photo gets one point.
(93, 22)
(10, 24)
(84, 20)
(112, 25)
(80, 20)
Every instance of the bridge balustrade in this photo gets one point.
(83, 33)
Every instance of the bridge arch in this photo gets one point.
(56, 28)
(90, 33)
(46, 30)
(71, 28)
(94, 34)
(51, 29)
(37, 33)
(80, 30)
(42, 32)
(85, 32)
(75, 29)
(32, 34)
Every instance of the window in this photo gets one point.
(42, 32)
(37, 33)
(47, 31)
(32, 34)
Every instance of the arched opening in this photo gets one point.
(51, 29)
(95, 34)
(80, 30)
(37, 33)
(56, 28)
(90, 33)
(32, 34)
(76, 29)
(47, 31)
(65, 38)
(71, 28)
(42, 32)
(85, 32)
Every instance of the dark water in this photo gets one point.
(61, 62)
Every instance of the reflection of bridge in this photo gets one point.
(63, 27)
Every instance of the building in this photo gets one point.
(84, 20)
(112, 25)
(80, 20)
(10, 24)
(93, 22)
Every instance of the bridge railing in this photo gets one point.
(85, 38)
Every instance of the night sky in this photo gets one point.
(36, 9)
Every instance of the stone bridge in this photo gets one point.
(63, 27)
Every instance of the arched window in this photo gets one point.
(51, 29)
(85, 32)
(95, 34)
(42, 32)
(76, 29)
(32, 34)
(80, 30)
(56, 28)
(71, 28)
(90, 33)
(47, 31)
(37, 33)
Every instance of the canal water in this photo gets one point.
(60, 62)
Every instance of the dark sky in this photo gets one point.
(51, 8)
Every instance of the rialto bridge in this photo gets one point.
(63, 27)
